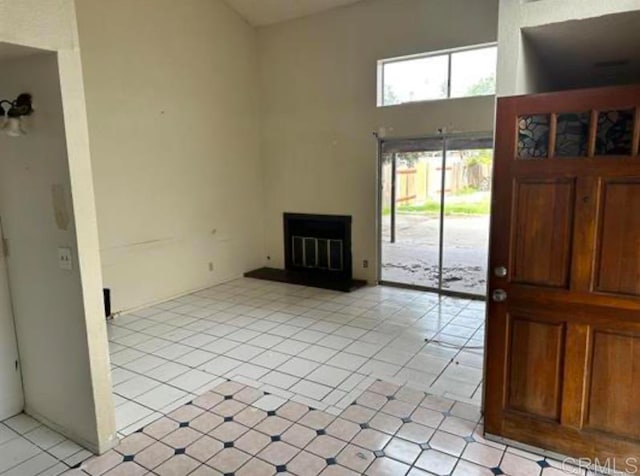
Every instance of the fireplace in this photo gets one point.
(317, 252)
(318, 244)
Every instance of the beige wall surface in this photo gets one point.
(318, 91)
(173, 116)
(38, 217)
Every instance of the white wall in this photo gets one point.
(318, 77)
(518, 67)
(38, 218)
(172, 102)
(46, 24)
(51, 25)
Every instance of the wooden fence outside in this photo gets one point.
(421, 182)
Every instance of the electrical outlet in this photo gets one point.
(65, 260)
(365, 263)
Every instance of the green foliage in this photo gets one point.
(466, 190)
(432, 207)
(389, 96)
(483, 87)
(409, 159)
(482, 157)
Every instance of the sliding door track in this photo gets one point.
(442, 292)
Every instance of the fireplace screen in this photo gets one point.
(318, 245)
(321, 253)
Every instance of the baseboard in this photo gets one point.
(115, 314)
(88, 445)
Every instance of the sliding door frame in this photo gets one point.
(445, 137)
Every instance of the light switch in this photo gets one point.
(65, 260)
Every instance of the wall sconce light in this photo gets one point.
(13, 113)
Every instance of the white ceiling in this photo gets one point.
(267, 12)
(594, 52)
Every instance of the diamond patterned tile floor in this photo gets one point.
(238, 430)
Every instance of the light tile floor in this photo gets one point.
(294, 348)
(314, 346)
(237, 430)
(28, 448)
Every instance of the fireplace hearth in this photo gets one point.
(317, 252)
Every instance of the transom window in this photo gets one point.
(446, 74)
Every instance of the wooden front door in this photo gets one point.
(563, 344)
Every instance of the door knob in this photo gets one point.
(499, 295)
(500, 271)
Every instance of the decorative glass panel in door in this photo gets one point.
(615, 132)
(572, 134)
(533, 136)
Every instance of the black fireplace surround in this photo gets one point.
(317, 252)
(319, 245)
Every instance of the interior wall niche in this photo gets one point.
(587, 53)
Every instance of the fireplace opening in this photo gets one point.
(318, 244)
(317, 252)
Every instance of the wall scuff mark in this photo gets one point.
(60, 209)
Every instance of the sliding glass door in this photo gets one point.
(435, 196)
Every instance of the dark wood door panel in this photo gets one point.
(570, 441)
(563, 340)
(614, 383)
(542, 229)
(534, 360)
(584, 167)
(565, 298)
(618, 270)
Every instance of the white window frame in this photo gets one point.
(448, 53)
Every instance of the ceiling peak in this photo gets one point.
(268, 12)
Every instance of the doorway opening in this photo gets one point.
(52, 338)
(435, 195)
